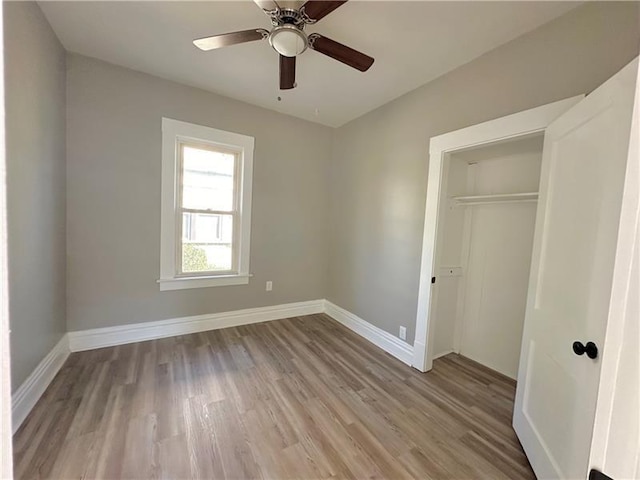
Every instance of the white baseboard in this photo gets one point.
(387, 342)
(442, 354)
(28, 394)
(138, 332)
(420, 360)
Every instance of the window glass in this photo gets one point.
(207, 179)
(207, 241)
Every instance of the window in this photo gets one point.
(206, 206)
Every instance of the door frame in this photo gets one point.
(6, 456)
(511, 127)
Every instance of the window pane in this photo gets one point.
(206, 242)
(207, 179)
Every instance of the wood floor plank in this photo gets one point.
(205, 458)
(297, 398)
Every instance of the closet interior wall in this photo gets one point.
(483, 251)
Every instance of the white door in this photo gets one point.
(583, 169)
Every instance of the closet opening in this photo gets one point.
(483, 246)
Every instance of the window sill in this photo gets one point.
(203, 282)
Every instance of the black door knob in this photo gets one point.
(590, 349)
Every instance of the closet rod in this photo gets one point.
(493, 202)
(495, 198)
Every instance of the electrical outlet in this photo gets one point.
(269, 286)
(403, 333)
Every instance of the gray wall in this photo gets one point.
(113, 199)
(380, 160)
(35, 136)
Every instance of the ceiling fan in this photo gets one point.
(287, 37)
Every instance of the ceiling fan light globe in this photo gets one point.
(288, 40)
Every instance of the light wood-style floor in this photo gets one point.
(296, 398)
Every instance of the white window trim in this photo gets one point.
(172, 132)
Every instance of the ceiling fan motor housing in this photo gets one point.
(288, 16)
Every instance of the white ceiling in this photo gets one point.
(412, 42)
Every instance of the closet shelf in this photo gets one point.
(495, 198)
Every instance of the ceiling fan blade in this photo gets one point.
(287, 72)
(267, 5)
(340, 52)
(226, 39)
(318, 9)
